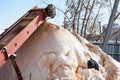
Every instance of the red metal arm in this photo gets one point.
(16, 42)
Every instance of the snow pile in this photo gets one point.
(53, 53)
(67, 58)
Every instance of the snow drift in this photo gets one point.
(53, 53)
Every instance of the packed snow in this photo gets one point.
(53, 53)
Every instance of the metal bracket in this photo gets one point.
(4, 51)
(17, 70)
(12, 58)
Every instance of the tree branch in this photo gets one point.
(117, 16)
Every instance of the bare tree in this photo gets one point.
(89, 17)
(80, 13)
(85, 16)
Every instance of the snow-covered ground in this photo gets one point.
(53, 53)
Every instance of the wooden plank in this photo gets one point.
(28, 18)
(2, 45)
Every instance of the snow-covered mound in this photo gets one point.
(53, 53)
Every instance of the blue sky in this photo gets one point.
(12, 10)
